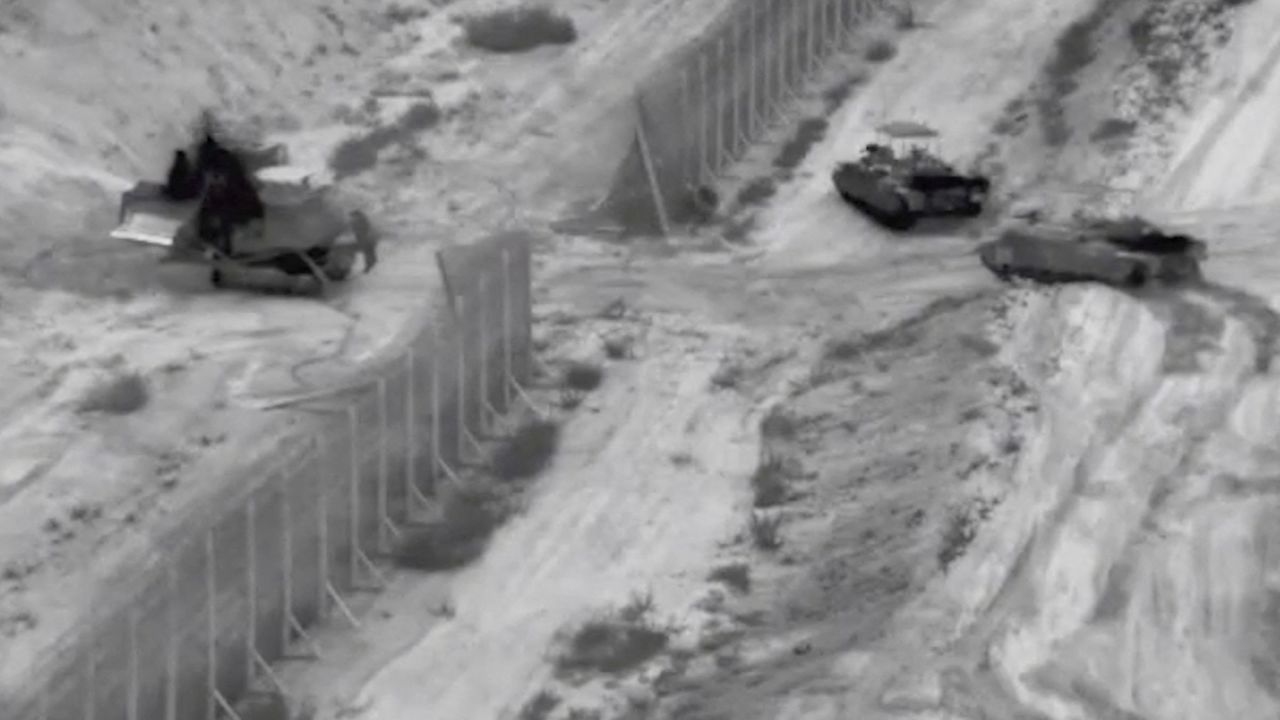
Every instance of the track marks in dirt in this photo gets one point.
(892, 439)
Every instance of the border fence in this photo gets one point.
(700, 114)
(206, 624)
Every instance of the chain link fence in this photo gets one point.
(700, 114)
(208, 621)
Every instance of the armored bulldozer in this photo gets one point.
(1127, 253)
(246, 209)
(897, 189)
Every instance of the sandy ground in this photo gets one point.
(1025, 502)
(1002, 502)
(79, 488)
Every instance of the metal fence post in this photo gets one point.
(211, 637)
(322, 556)
(91, 676)
(286, 561)
(411, 446)
(735, 80)
(132, 700)
(251, 585)
(717, 165)
(171, 644)
(704, 129)
(483, 322)
(384, 511)
(460, 329)
(688, 128)
(508, 376)
(753, 114)
(353, 495)
(780, 49)
(435, 403)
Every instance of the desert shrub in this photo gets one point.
(540, 706)
(881, 50)
(399, 14)
(769, 483)
(467, 520)
(728, 374)
(809, 133)
(614, 642)
(528, 451)
(360, 153)
(583, 377)
(778, 423)
(757, 191)
(121, 395)
(735, 576)
(519, 29)
(766, 531)
(1113, 128)
(620, 346)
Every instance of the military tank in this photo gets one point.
(1130, 253)
(898, 188)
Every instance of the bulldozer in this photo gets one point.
(898, 187)
(244, 210)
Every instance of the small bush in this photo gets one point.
(881, 50)
(527, 452)
(1113, 128)
(519, 29)
(540, 706)
(796, 149)
(766, 531)
(399, 14)
(769, 483)
(468, 519)
(121, 395)
(779, 423)
(615, 643)
(736, 577)
(360, 153)
(757, 191)
(728, 374)
(620, 346)
(583, 377)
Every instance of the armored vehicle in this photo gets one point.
(247, 209)
(1128, 253)
(896, 188)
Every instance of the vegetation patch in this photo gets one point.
(123, 394)
(881, 50)
(540, 706)
(519, 29)
(735, 576)
(769, 483)
(468, 518)
(616, 641)
(810, 132)
(528, 451)
(360, 153)
(766, 531)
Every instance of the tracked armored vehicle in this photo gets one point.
(1128, 253)
(896, 188)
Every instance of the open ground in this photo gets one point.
(828, 472)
